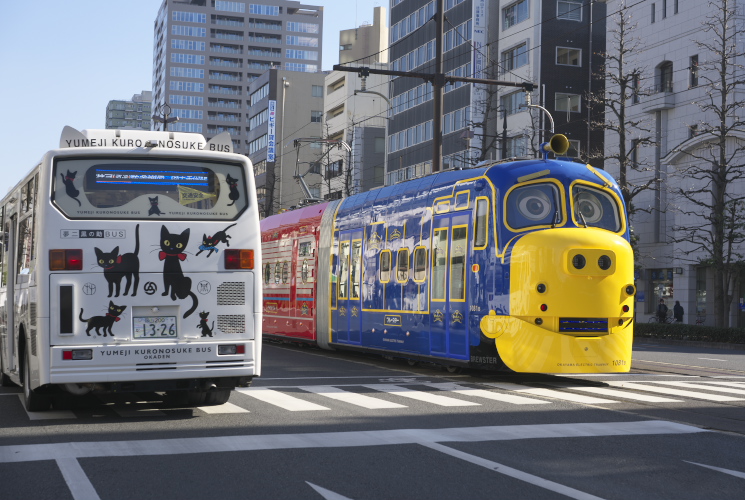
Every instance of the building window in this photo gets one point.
(516, 147)
(692, 131)
(652, 13)
(665, 77)
(570, 10)
(573, 151)
(515, 13)
(515, 57)
(567, 102)
(693, 67)
(662, 287)
(513, 103)
(635, 89)
(675, 6)
(664, 9)
(568, 57)
(316, 116)
(317, 91)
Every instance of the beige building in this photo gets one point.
(367, 43)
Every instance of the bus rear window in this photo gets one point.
(130, 189)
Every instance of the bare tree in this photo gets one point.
(713, 175)
(622, 81)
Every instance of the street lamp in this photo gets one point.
(163, 117)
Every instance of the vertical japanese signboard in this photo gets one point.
(271, 139)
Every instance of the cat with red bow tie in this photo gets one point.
(172, 248)
(105, 322)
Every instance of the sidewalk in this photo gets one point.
(690, 343)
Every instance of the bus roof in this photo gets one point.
(132, 138)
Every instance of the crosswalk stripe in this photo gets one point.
(280, 399)
(351, 397)
(427, 397)
(481, 393)
(673, 392)
(550, 393)
(739, 385)
(707, 387)
(223, 408)
(625, 395)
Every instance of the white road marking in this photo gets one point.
(46, 415)
(719, 469)
(223, 408)
(74, 475)
(280, 399)
(674, 392)
(427, 397)
(220, 444)
(327, 494)
(688, 385)
(713, 359)
(133, 411)
(481, 393)
(514, 473)
(625, 395)
(351, 397)
(550, 393)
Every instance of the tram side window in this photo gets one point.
(6, 235)
(385, 266)
(304, 249)
(439, 264)
(277, 272)
(344, 270)
(458, 264)
(420, 264)
(402, 265)
(481, 227)
(285, 272)
(267, 273)
(356, 268)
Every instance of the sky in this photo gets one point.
(64, 60)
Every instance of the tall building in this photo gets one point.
(207, 52)
(680, 63)
(355, 112)
(366, 43)
(412, 48)
(285, 106)
(548, 43)
(134, 113)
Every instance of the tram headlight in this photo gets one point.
(579, 261)
(630, 290)
(604, 262)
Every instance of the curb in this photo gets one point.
(690, 343)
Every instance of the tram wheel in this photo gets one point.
(412, 362)
(453, 369)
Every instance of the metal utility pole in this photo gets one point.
(438, 80)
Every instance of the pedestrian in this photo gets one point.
(678, 312)
(661, 311)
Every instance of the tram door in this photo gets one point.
(348, 313)
(448, 306)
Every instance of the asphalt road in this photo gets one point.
(330, 425)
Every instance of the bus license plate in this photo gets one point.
(155, 327)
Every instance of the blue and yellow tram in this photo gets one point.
(523, 265)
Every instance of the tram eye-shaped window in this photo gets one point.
(595, 208)
(533, 205)
(276, 273)
(267, 273)
(285, 272)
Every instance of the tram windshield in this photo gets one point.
(533, 205)
(595, 208)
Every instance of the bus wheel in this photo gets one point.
(217, 397)
(185, 398)
(32, 400)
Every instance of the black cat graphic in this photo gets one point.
(172, 247)
(105, 322)
(116, 266)
(70, 188)
(206, 330)
(234, 194)
(210, 242)
(154, 210)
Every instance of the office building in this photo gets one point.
(367, 43)
(207, 53)
(134, 113)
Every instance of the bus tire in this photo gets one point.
(190, 398)
(32, 400)
(216, 397)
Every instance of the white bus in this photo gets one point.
(128, 265)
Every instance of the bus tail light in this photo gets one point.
(239, 259)
(77, 354)
(66, 260)
(231, 349)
